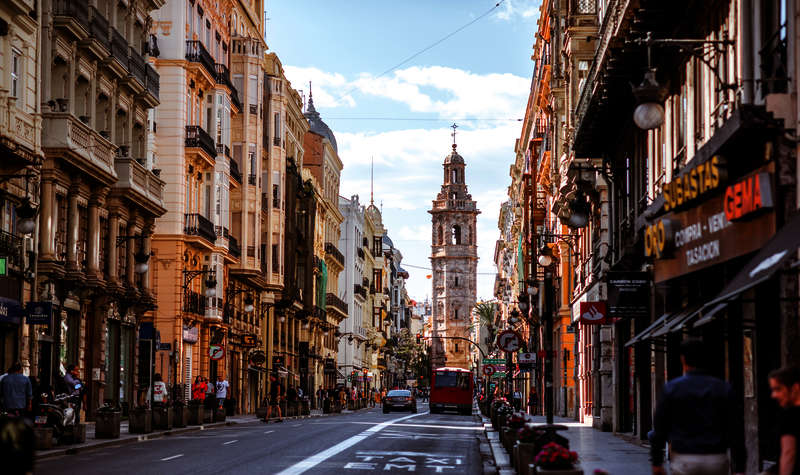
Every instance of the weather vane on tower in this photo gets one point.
(454, 127)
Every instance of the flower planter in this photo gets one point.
(140, 421)
(180, 416)
(197, 413)
(562, 471)
(106, 425)
(305, 408)
(523, 455)
(74, 434)
(162, 418)
(508, 437)
(42, 438)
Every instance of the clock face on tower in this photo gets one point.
(454, 259)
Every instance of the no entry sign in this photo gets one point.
(216, 352)
(509, 341)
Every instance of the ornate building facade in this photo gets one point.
(454, 259)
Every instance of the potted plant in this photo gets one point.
(197, 411)
(162, 416)
(525, 448)
(140, 420)
(180, 413)
(555, 459)
(508, 435)
(220, 413)
(107, 422)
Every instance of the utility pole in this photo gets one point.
(548, 344)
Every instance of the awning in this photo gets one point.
(769, 259)
(677, 321)
(650, 329)
(708, 316)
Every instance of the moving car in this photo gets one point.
(451, 388)
(399, 399)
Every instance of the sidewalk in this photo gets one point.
(127, 438)
(596, 450)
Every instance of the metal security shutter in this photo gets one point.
(187, 374)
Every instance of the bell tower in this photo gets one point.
(454, 259)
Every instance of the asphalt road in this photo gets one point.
(364, 441)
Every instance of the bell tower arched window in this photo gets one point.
(440, 237)
(456, 234)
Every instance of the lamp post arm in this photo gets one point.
(458, 338)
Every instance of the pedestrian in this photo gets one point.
(517, 400)
(275, 395)
(74, 388)
(697, 414)
(532, 403)
(211, 394)
(159, 391)
(222, 391)
(16, 391)
(199, 389)
(320, 397)
(785, 386)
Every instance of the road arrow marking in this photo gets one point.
(230, 442)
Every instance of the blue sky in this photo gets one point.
(481, 73)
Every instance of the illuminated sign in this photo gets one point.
(697, 181)
(748, 196)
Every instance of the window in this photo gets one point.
(252, 90)
(440, 239)
(277, 128)
(16, 57)
(455, 316)
(583, 73)
(456, 234)
(456, 282)
(377, 279)
(251, 156)
(276, 189)
(275, 259)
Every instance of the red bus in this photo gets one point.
(451, 388)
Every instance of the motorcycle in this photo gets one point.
(58, 412)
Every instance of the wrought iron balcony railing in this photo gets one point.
(334, 252)
(152, 80)
(233, 247)
(197, 53)
(119, 48)
(99, 28)
(235, 173)
(136, 66)
(194, 303)
(195, 224)
(196, 136)
(333, 301)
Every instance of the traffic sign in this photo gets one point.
(527, 358)
(494, 361)
(216, 352)
(498, 375)
(509, 341)
(488, 370)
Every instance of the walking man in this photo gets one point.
(222, 391)
(785, 386)
(697, 414)
(275, 395)
(16, 391)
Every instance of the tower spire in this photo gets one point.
(454, 127)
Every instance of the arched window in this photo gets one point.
(440, 240)
(455, 314)
(454, 176)
(456, 234)
(453, 195)
(455, 284)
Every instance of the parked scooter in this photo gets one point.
(57, 412)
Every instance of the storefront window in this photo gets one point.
(112, 361)
(125, 364)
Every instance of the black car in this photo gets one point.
(399, 399)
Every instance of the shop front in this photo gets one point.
(707, 231)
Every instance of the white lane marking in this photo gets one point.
(170, 458)
(316, 459)
(230, 442)
(269, 432)
(296, 425)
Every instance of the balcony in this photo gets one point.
(223, 150)
(119, 53)
(251, 180)
(140, 184)
(333, 301)
(334, 252)
(194, 303)
(73, 16)
(136, 66)
(254, 109)
(152, 82)
(235, 173)
(85, 147)
(233, 247)
(460, 205)
(360, 252)
(99, 32)
(197, 53)
(360, 290)
(197, 137)
(195, 224)
(224, 78)
(276, 141)
(11, 247)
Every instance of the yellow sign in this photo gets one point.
(699, 180)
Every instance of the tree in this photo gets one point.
(414, 354)
(486, 312)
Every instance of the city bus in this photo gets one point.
(451, 388)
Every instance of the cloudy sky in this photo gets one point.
(479, 78)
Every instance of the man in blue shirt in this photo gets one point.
(16, 391)
(698, 415)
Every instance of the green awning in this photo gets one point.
(322, 284)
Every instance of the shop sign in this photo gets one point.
(695, 182)
(526, 358)
(704, 236)
(191, 335)
(39, 313)
(10, 310)
(249, 340)
(628, 294)
(593, 313)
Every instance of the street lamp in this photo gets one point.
(248, 303)
(26, 214)
(579, 212)
(649, 113)
(545, 258)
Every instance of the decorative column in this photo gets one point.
(72, 226)
(147, 233)
(113, 233)
(47, 238)
(95, 202)
(129, 250)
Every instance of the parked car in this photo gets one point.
(399, 399)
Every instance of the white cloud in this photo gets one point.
(515, 9)
(329, 89)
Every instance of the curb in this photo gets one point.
(157, 435)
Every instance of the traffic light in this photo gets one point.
(419, 338)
